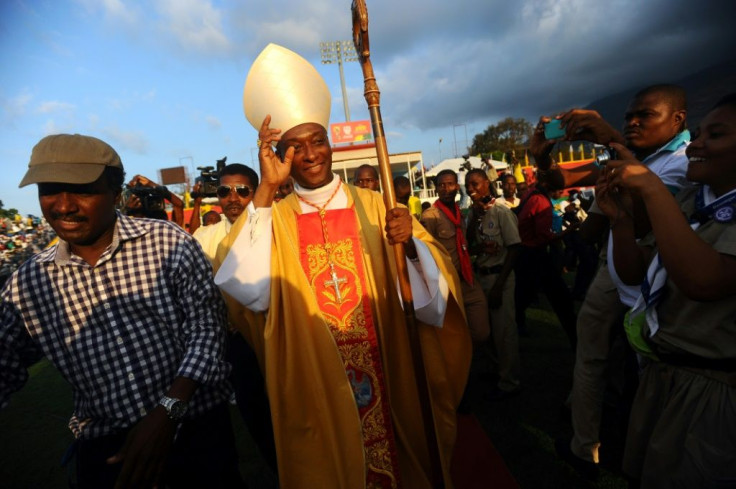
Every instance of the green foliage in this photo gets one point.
(9, 213)
(508, 135)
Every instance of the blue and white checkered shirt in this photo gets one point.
(121, 331)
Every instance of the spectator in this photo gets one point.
(491, 172)
(655, 130)
(580, 256)
(285, 189)
(508, 187)
(210, 218)
(521, 189)
(534, 267)
(147, 200)
(402, 187)
(444, 221)
(127, 311)
(366, 176)
(493, 238)
(557, 246)
(237, 185)
(683, 429)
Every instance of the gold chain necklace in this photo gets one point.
(322, 211)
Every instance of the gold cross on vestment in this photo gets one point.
(335, 282)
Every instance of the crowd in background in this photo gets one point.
(19, 240)
(510, 242)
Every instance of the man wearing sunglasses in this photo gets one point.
(238, 183)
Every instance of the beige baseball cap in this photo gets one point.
(287, 86)
(69, 158)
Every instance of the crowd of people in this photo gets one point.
(289, 302)
(19, 240)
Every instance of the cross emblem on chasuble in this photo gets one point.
(335, 282)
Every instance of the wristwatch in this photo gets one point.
(175, 408)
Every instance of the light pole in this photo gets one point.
(455, 137)
(339, 52)
(440, 148)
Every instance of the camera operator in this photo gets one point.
(237, 185)
(147, 200)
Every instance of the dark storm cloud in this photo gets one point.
(483, 60)
(441, 62)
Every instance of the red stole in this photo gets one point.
(338, 282)
(466, 269)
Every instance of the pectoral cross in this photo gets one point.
(335, 282)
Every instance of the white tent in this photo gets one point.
(456, 164)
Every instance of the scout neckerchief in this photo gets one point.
(644, 311)
(466, 269)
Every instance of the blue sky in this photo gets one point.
(162, 80)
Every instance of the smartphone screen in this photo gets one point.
(552, 129)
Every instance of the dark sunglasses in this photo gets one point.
(224, 190)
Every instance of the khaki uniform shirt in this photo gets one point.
(702, 329)
(440, 226)
(499, 224)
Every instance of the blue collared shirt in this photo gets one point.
(669, 162)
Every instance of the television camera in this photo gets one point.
(209, 178)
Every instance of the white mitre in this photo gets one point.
(287, 86)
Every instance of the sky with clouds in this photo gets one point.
(162, 80)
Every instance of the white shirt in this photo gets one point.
(508, 203)
(245, 273)
(670, 166)
(210, 236)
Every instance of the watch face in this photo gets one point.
(178, 410)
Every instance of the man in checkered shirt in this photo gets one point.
(128, 313)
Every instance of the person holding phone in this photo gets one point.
(655, 130)
(682, 431)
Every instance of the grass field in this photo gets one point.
(523, 428)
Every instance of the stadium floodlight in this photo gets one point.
(339, 52)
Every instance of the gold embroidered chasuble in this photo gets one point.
(317, 422)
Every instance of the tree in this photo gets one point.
(509, 134)
(7, 213)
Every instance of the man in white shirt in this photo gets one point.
(237, 186)
(508, 186)
(238, 183)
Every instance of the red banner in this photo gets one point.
(351, 132)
